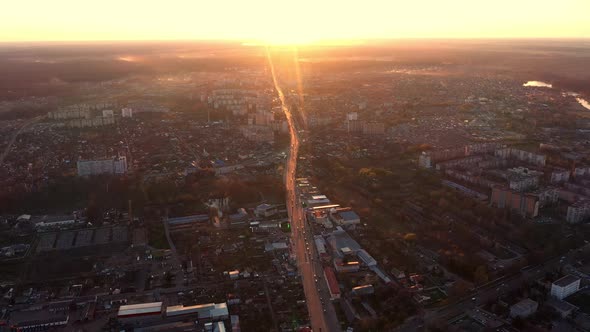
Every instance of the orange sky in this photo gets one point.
(290, 21)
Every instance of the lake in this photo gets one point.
(540, 84)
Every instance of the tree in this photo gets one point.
(410, 237)
(481, 274)
(460, 288)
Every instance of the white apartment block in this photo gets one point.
(565, 287)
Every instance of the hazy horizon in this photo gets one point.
(299, 22)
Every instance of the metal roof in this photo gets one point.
(332, 281)
(140, 309)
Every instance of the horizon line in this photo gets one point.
(332, 42)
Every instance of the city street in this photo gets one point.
(310, 269)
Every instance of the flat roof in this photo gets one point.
(332, 281)
(26, 318)
(561, 305)
(362, 287)
(199, 309)
(566, 280)
(330, 206)
(140, 309)
(525, 304)
(349, 215)
(188, 219)
(219, 327)
(366, 258)
(340, 239)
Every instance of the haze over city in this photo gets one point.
(290, 21)
(298, 166)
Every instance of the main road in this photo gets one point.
(321, 312)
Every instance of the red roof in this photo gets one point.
(332, 281)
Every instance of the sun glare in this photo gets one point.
(287, 37)
(127, 58)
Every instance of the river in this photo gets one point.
(541, 84)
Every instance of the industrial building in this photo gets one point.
(140, 313)
(208, 311)
(116, 166)
(37, 320)
(344, 217)
(265, 210)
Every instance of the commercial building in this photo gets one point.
(344, 217)
(117, 166)
(565, 287)
(317, 200)
(524, 308)
(332, 282)
(320, 245)
(343, 266)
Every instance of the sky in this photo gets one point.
(290, 21)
